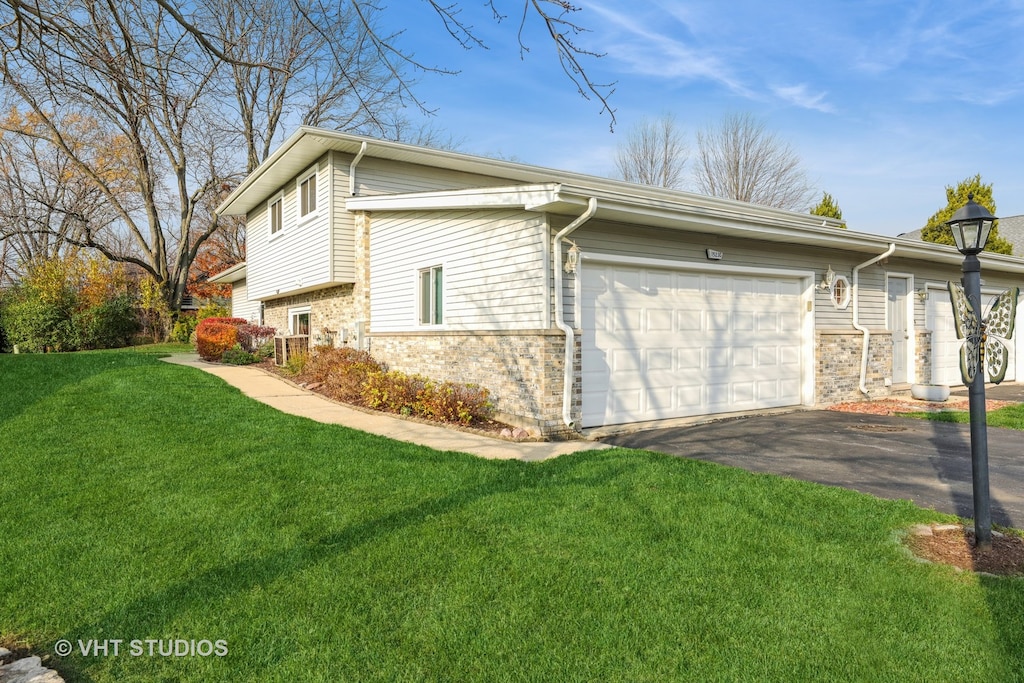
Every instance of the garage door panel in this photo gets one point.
(743, 321)
(658, 359)
(743, 356)
(658, 320)
(688, 343)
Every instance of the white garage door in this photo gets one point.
(945, 345)
(665, 343)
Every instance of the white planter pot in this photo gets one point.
(929, 392)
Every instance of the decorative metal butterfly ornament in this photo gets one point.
(985, 339)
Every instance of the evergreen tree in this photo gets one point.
(936, 229)
(829, 208)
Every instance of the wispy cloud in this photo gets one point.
(801, 96)
(645, 51)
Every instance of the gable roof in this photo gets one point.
(567, 193)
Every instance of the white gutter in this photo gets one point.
(352, 170)
(570, 337)
(856, 314)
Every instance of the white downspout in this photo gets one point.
(570, 337)
(352, 170)
(856, 314)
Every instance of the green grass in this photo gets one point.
(141, 500)
(1010, 417)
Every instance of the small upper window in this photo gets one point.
(276, 215)
(307, 195)
(840, 291)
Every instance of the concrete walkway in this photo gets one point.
(290, 398)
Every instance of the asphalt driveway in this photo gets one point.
(890, 457)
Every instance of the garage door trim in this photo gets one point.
(806, 279)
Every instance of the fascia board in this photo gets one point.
(524, 196)
(233, 274)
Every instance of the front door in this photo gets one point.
(898, 288)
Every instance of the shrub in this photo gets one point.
(214, 336)
(452, 402)
(107, 325)
(212, 310)
(35, 323)
(184, 327)
(326, 360)
(236, 355)
(341, 371)
(266, 349)
(253, 337)
(296, 362)
(393, 391)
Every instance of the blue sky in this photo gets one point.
(886, 102)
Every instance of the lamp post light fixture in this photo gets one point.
(971, 225)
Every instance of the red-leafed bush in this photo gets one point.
(252, 337)
(216, 335)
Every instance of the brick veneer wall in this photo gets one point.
(837, 355)
(923, 362)
(334, 309)
(522, 370)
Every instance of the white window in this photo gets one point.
(276, 212)
(840, 292)
(431, 306)
(307, 195)
(298, 320)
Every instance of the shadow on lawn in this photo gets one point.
(1003, 595)
(238, 577)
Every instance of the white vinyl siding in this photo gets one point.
(296, 258)
(381, 176)
(241, 305)
(343, 223)
(493, 268)
(631, 240)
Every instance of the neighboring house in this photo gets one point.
(1011, 228)
(580, 301)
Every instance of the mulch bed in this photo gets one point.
(895, 406)
(954, 545)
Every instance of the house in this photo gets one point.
(1011, 228)
(579, 301)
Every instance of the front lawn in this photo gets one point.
(145, 501)
(1011, 417)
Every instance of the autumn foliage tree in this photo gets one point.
(70, 302)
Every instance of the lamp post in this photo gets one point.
(971, 225)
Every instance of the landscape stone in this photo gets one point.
(28, 670)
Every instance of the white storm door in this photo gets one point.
(896, 312)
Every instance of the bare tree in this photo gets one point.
(158, 90)
(740, 159)
(654, 153)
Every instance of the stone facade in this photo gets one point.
(332, 311)
(837, 356)
(522, 370)
(923, 361)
